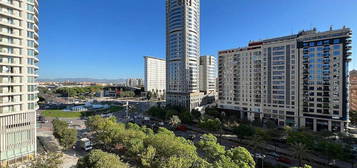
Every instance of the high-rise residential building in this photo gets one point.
(298, 80)
(353, 90)
(134, 82)
(208, 71)
(155, 75)
(18, 74)
(182, 53)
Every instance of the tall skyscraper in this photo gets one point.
(182, 53)
(155, 75)
(208, 74)
(18, 74)
(298, 80)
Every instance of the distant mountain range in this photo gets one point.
(83, 80)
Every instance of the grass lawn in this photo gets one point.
(71, 114)
(61, 114)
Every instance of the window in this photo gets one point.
(30, 34)
(336, 53)
(30, 43)
(30, 25)
(336, 41)
(30, 16)
(30, 8)
(336, 47)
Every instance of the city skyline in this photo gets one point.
(82, 51)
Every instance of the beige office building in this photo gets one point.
(353, 90)
(18, 74)
(208, 71)
(155, 75)
(299, 80)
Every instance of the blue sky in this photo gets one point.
(108, 38)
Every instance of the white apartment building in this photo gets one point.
(134, 82)
(208, 71)
(18, 74)
(298, 80)
(155, 75)
(183, 53)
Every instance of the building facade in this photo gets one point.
(134, 82)
(155, 75)
(353, 90)
(18, 74)
(182, 53)
(298, 80)
(208, 71)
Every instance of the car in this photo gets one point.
(181, 128)
(259, 155)
(283, 160)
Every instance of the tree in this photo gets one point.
(48, 160)
(185, 116)
(172, 150)
(255, 142)
(271, 124)
(300, 151)
(210, 148)
(210, 124)
(241, 157)
(243, 131)
(148, 95)
(174, 121)
(196, 114)
(69, 138)
(99, 159)
(147, 157)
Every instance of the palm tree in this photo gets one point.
(175, 121)
(300, 151)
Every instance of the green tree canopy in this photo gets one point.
(210, 148)
(99, 159)
(49, 160)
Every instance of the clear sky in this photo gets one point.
(108, 38)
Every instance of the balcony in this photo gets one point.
(348, 41)
(326, 72)
(326, 55)
(326, 61)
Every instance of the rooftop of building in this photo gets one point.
(154, 58)
(304, 34)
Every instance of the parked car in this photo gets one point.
(181, 128)
(259, 155)
(283, 160)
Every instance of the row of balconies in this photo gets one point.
(11, 3)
